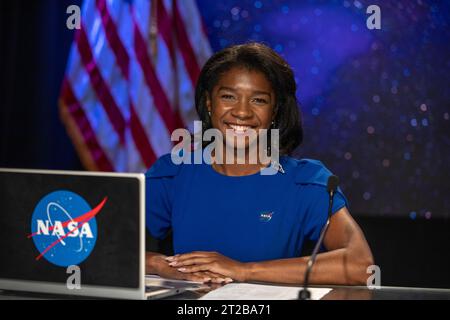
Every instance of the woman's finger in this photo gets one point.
(197, 277)
(185, 256)
(196, 268)
(189, 262)
(215, 277)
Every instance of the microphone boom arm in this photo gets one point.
(305, 294)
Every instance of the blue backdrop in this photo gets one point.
(375, 102)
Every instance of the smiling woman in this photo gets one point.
(257, 75)
(231, 223)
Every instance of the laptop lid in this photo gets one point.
(76, 233)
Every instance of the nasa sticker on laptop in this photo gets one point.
(64, 228)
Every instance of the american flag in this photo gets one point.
(130, 80)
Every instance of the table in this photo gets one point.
(337, 293)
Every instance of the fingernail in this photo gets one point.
(181, 269)
(169, 258)
(174, 263)
(206, 279)
(228, 280)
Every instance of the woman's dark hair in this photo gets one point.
(256, 57)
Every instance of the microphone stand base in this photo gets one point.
(304, 294)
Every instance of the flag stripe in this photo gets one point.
(140, 94)
(113, 38)
(159, 96)
(195, 32)
(99, 85)
(164, 26)
(77, 112)
(185, 47)
(165, 30)
(107, 136)
(142, 100)
(122, 58)
(186, 91)
(140, 137)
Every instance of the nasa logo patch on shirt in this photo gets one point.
(266, 216)
(64, 228)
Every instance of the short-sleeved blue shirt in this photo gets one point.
(247, 218)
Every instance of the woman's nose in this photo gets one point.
(242, 110)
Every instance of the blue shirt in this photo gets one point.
(246, 218)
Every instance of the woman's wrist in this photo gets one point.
(153, 262)
(246, 271)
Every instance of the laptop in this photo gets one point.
(76, 233)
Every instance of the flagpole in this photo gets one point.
(154, 28)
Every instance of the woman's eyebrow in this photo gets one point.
(262, 92)
(227, 88)
(254, 92)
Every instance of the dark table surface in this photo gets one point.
(363, 293)
(337, 293)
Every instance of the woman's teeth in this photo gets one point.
(239, 129)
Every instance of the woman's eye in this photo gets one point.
(227, 96)
(260, 100)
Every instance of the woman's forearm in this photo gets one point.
(345, 263)
(339, 267)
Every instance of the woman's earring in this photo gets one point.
(209, 113)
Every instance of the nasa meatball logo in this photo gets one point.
(64, 228)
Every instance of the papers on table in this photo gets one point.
(248, 291)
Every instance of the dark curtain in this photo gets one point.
(35, 43)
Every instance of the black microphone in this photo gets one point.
(332, 185)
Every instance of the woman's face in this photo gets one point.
(241, 100)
